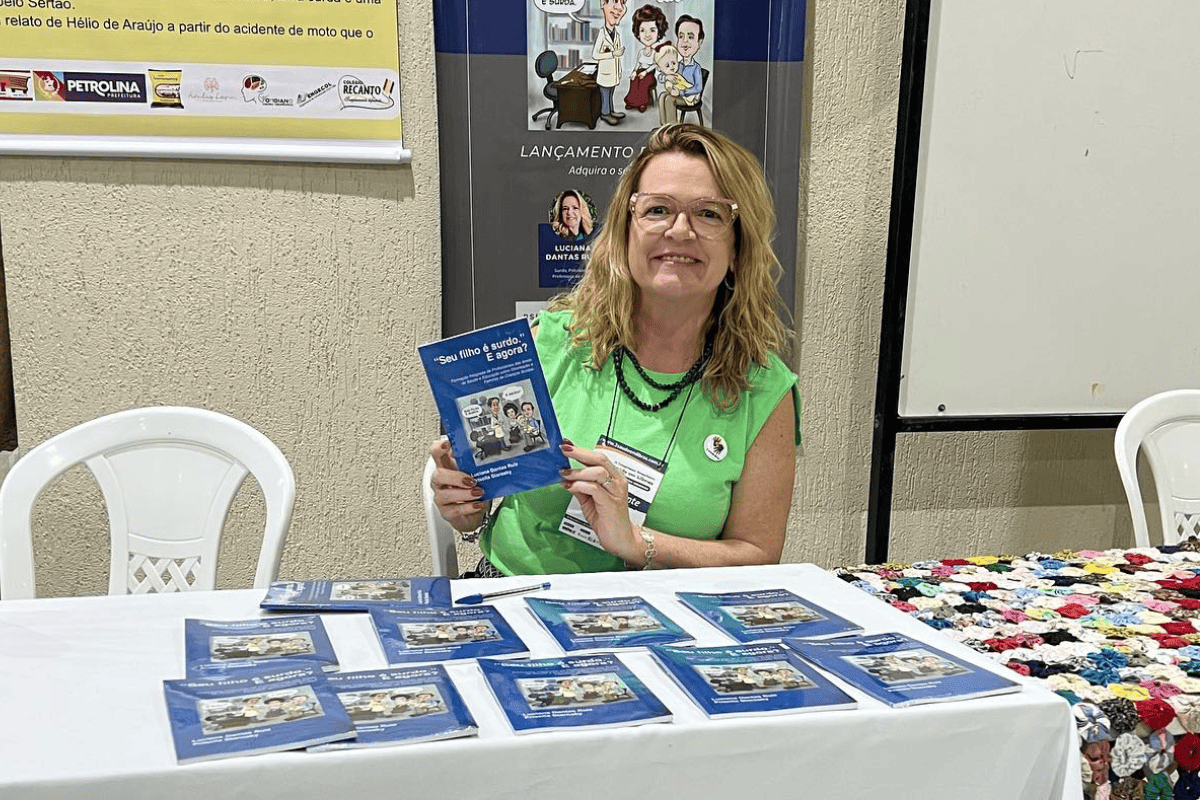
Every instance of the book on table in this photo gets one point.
(225, 646)
(444, 634)
(749, 679)
(579, 691)
(491, 394)
(255, 711)
(767, 614)
(357, 594)
(901, 671)
(605, 623)
(400, 706)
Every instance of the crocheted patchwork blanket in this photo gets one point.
(1116, 633)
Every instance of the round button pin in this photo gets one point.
(715, 447)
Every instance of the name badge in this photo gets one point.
(643, 473)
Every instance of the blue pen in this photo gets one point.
(473, 599)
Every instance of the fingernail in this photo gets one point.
(469, 481)
(477, 506)
(568, 442)
(477, 492)
(564, 472)
(567, 448)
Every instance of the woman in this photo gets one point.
(571, 218)
(649, 24)
(664, 345)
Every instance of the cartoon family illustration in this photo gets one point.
(583, 690)
(246, 711)
(648, 65)
(226, 648)
(906, 665)
(753, 677)
(499, 426)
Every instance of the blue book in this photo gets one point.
(900, 670)
(584, 691)
(400, 706)
(491, 393)
(605, 623)
(217, 647)
(444, 634)
(357, 594)
(255, 711)
(747, 679)
(767, 614)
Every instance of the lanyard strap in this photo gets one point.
(612, 414)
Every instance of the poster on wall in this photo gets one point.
(542, 104)
(256, 79)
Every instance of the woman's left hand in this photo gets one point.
(603, 494)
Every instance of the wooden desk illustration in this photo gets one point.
(578, 96)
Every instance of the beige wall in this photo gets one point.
(292, 297)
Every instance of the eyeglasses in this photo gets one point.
(710, 217)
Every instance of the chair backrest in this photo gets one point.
(442, 537)
(1166, 427)
(168, 476)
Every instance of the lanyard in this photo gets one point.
(612, 415)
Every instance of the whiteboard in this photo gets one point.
(1055, 261)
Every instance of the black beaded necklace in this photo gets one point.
(691, 376)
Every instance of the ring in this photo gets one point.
(607, 482)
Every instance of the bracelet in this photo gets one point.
(651, 551)
(489, 514)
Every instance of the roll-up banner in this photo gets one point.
(542, 104)
(302, 80)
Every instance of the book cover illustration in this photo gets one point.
(357, 594)
(256, 711)
(400, 706)
(767, 614)
(582, 691)
(437, 634)
(746, 679)
(222, 647)
(605, 623)
(491, 393)
(902, 671)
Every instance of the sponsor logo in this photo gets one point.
(308, 97)
(357, 93)
(211, 93)
(49, 86)
(254, 90)
(105, 87)
(14, 85)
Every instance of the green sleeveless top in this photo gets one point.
(693, 499)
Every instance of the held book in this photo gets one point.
(605, 623)
(748, 679)
(582, 691)
(767, 614)
(357, 594)
(444, 634)
(220, 648)
(254, 711)
(400, 706)
(900, 670)
(491, 393)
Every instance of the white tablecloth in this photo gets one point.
(82, 716)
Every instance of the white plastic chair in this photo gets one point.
(442, 537)
(1166, 427)
(168, 475)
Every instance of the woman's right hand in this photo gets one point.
(458, 499)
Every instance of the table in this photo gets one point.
(1115, 632)
(83, 716)
(578, 98)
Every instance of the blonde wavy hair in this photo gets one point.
(745, 324)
